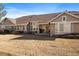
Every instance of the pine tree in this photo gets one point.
(2, 11)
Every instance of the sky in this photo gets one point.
(15, 10)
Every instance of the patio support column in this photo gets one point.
(38, 29)
(25, 28)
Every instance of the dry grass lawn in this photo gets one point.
(25, 45)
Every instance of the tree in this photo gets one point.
(2, 11)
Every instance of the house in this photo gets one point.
(54, 23)
(37, 23)
(8, 24)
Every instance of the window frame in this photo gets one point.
(65, 18)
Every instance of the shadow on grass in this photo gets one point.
(34, 37)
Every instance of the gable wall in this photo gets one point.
(69, 18)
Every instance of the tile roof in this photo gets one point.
(44, 18)
(40, 18)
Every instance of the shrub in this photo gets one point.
(1, 31)
(31, 32)
(6, 31)
(17, 32)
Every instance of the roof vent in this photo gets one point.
(66, 11)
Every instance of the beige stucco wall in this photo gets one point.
(47, 28)
(69, 18)
(52, 29)
(75, 27)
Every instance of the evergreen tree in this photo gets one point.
(2, 11)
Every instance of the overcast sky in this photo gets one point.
(15, 10)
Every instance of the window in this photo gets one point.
(31, 27)
(64, 18)
(61, 27)
(17, 27)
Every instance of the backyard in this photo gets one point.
(30, 45)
